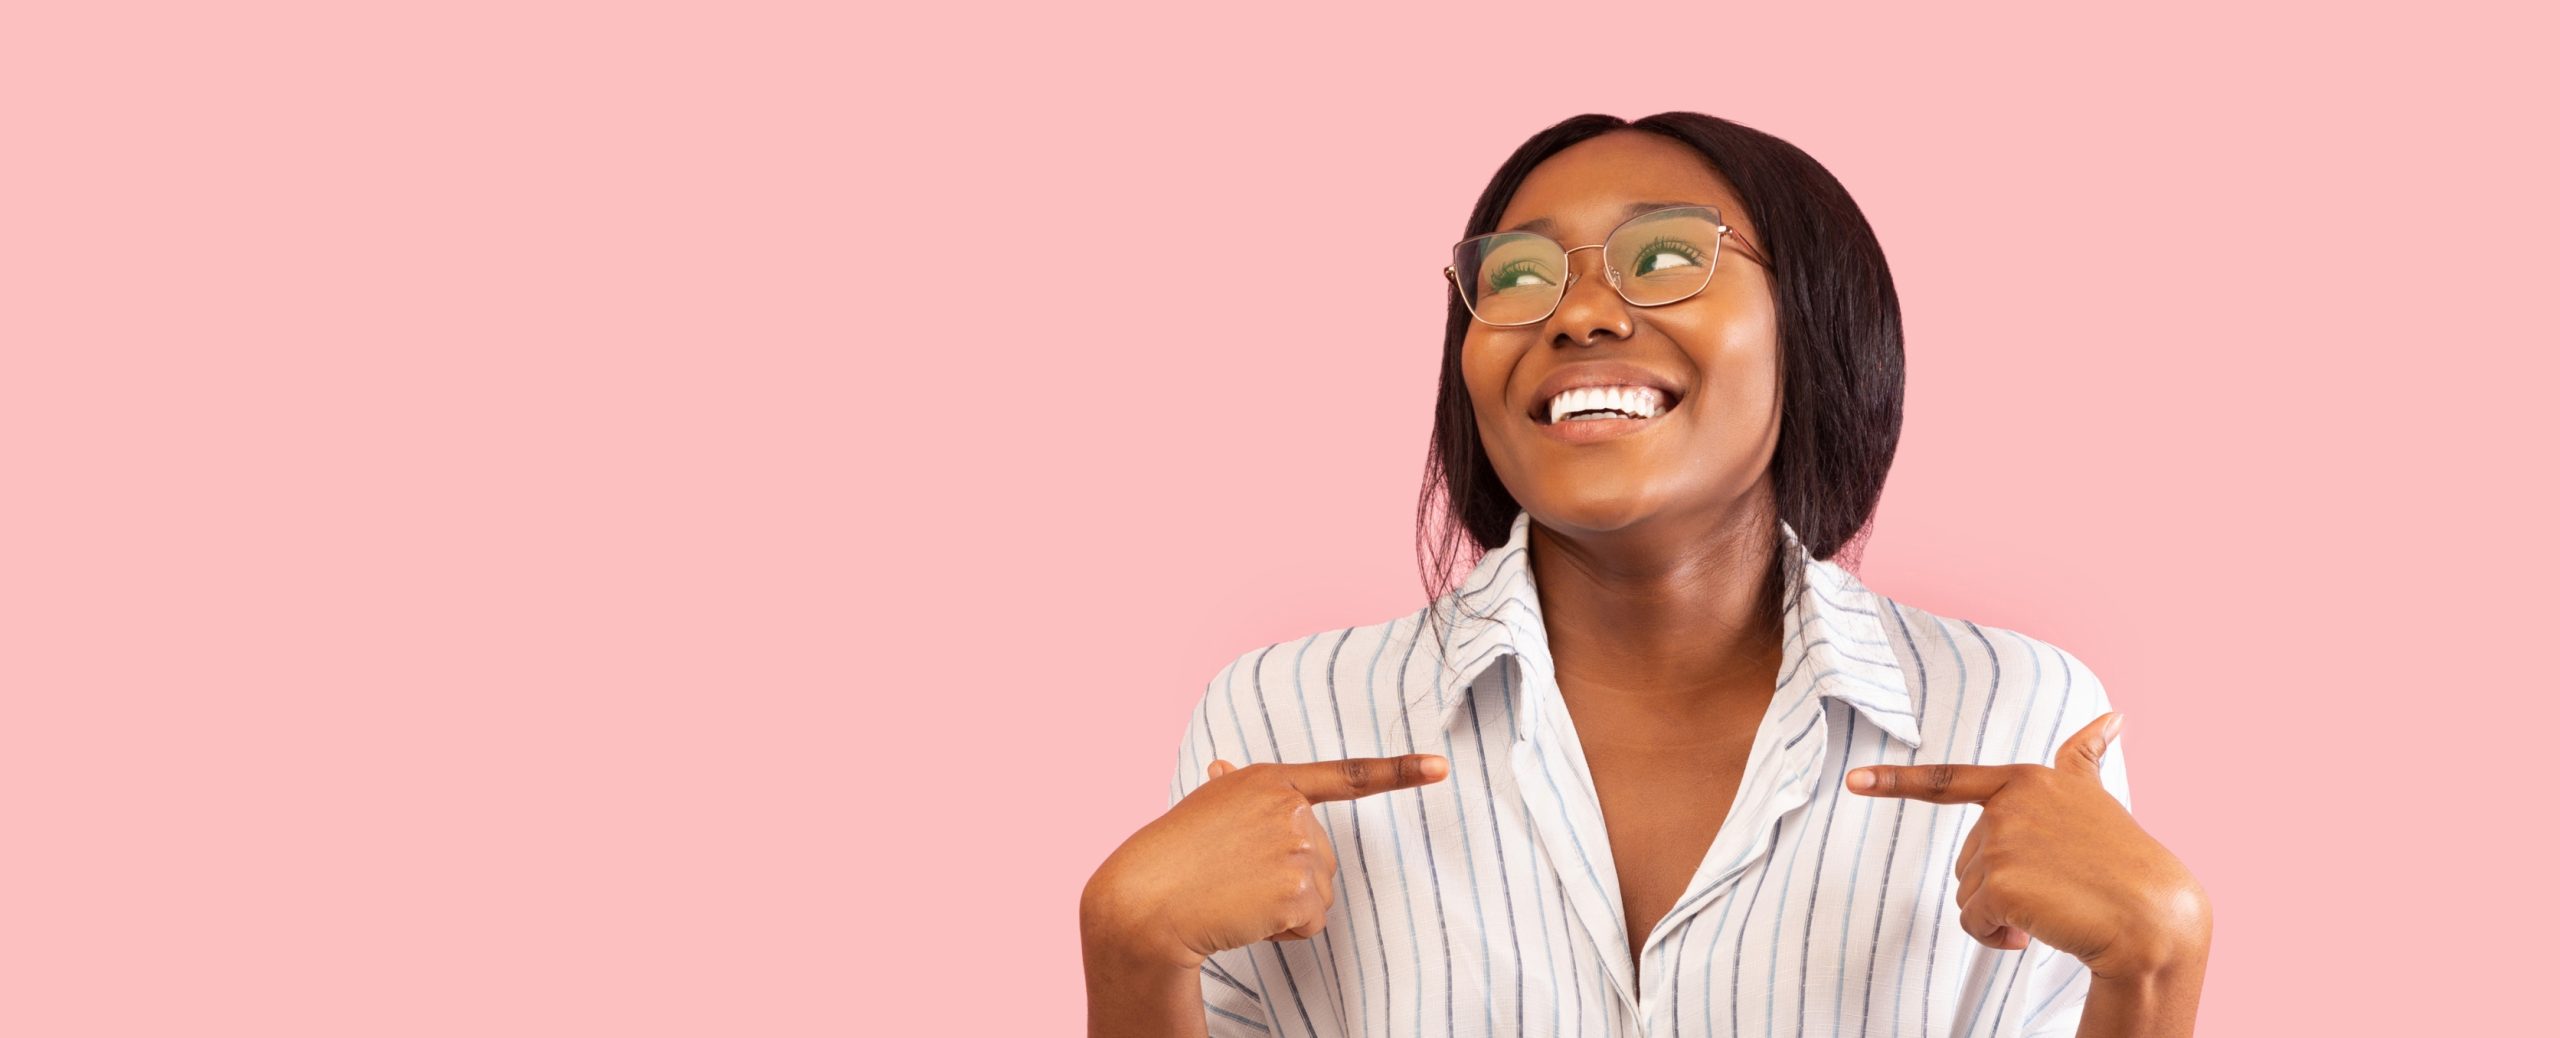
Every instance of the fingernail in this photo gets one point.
(2116, 725)
(1860, 779)
(1435, 767)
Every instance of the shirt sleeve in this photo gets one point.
(2059, 987)
(1227, 991)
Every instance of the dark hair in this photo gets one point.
(1839, 363)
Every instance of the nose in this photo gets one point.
(1590, 304)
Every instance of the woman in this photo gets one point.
(1618, 781)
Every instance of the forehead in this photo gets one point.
(1580, 193)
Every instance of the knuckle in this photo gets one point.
(1938, 778)
(1319, 899)
(1291, 804)
(1356, 773)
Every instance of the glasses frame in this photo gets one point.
(1714, 215)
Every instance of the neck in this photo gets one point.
(1663, 620)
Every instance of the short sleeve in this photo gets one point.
(2058, 988)
(1202, 741)
(1227, 991)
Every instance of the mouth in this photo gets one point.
(1620, 406)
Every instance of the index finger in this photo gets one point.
(1935, 783)
(1363, 776)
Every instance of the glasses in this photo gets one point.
(1514, 278)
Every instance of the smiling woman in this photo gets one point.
(1808, 326)
(1615, 795)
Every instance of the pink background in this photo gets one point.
(619, 519)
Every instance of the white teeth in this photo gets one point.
(1640, 401)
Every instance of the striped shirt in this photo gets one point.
(1487, 903)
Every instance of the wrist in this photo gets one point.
(1117, 942)
(2159, 1004)
(2173, 948)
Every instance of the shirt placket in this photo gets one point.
(1564, 814)
(1778, 781)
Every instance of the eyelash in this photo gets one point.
(1671, 245)
(1509, 268)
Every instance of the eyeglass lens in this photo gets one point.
(1659, 257)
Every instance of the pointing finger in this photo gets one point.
(2086, 749)
(1364, 776)
(1935, 783)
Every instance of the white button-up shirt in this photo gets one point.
(1488, 904)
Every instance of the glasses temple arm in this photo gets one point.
(1752, 250)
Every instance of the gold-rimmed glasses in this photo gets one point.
(1512, 278)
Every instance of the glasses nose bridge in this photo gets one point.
(1609, 274)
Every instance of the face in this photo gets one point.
(1713, 356)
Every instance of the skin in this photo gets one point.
(1647, 550)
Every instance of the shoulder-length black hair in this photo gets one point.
(1840, 356)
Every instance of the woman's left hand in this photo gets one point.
(2055, 858)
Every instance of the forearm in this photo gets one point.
(1130, 998)
(1131, 990)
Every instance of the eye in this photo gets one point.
(1519, 273)
(1666, 253)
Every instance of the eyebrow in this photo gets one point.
(1547, 227)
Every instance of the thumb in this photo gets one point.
(2086, 750)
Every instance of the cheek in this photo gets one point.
(1742, 401)
(1745, 378)
(1487, 369)
(1484, 374)
(1737, 358)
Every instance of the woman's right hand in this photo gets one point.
(1241, 859)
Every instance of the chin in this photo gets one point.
(1590, 511)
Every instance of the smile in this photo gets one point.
(1592, 413)
(1590, 403)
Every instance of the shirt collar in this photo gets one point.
(1836, 634)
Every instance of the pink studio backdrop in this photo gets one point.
(595, 519)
